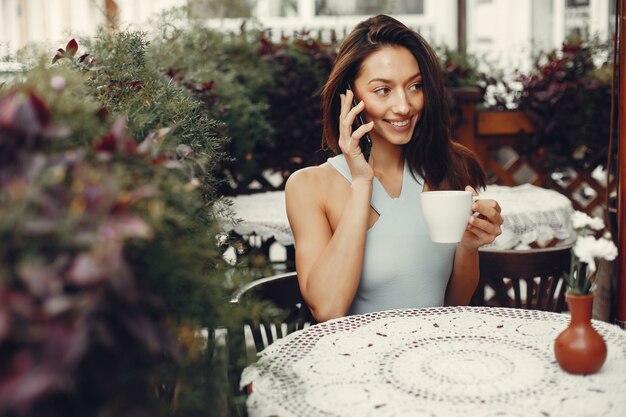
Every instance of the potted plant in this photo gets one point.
(580, 349)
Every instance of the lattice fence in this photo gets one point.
(498, 137)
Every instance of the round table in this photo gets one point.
(532, 215)
(435, 362)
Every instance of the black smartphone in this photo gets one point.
(365, 143)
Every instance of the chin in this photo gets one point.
(402, 140)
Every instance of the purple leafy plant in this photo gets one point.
(80, 331)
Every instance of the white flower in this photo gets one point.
(57, 83)
(581, 220)
(588, 248)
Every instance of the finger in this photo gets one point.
(483, 237)
(485, 225)
(355, 110)
(471, 190)
(355, 138)
(362, 130)
(345, 130)
(348, 114)
(489, 209)
(348, 98)
(342, 111)
(344, 107)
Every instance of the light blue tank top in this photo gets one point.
(402, 268)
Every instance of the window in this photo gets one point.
(577, 19)
(612, 11)
(368, 7)
(577, 3)
(208, 9)
(283, 8)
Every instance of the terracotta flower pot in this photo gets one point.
(580, 349)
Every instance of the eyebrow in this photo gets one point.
(384, 80)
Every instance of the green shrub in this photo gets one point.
(225, 73)
(108, 265)
(266, 93)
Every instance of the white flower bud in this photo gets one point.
(57, 83)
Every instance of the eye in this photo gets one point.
(415, 86)
(382, 91)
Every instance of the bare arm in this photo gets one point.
(464, 278)
(481, 230)
(329, 265)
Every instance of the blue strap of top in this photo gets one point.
(380, 199)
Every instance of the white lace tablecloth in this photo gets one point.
(531, 214)
(437, 362)
(263, 214)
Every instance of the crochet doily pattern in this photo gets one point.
(435, 362)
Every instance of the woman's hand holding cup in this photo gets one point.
(458, 216)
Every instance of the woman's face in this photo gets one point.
(390, 84)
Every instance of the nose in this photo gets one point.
(401, 104)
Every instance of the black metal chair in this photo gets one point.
(283, 291)
(531, 279)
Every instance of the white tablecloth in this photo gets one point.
(438, 362)
(531, 214)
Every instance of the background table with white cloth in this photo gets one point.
(533, 216)
(434, 362)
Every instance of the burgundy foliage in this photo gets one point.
(78, 332)
(569, 106)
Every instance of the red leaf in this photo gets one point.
(8, 108)
(25, 112)
(71, 47)
(82, 58)
(159, 159)
(102, 114)
(60, 54)
(130, 146)
(5, 325)
(40, 109)
(106, 143)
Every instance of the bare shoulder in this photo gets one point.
(306, 195)
(310, 183)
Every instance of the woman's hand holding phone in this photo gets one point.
(349, 140)
(365, 143)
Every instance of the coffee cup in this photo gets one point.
(446, 214)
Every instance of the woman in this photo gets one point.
(361, 242)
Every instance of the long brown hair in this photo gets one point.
(431, 153)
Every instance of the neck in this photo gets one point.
(387, 157)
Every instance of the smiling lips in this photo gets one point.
(399, 123)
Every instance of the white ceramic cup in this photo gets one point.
(446, 214)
